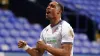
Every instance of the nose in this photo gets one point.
(48, 7)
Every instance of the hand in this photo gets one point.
(21, 44)
(41, 45)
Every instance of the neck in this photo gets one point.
(55, 21)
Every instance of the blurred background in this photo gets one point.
(25, 19)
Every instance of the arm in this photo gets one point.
(67, 41)
(29, 50)
(35, 51)
(65, 50)
(32, 51)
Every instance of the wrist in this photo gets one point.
(26, 47)
(46, 47)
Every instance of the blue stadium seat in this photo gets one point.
(37, 27)
(2, 40)
(24, 33)
(22, 20)
(14, 33)
(14, 47)
(4, 33)
(13, 20)
(85, 50)
(8, 26)
(9, 40)
(27, 26)
(18, 26)
(5, 47)
(69, 1)
(34, 34)
(78, 43)
(77, 50)
(95, 45)
(76, 36)
(94, 51)
(31, 41)
(1, 25)
(83, 37)
(97, 19)
(3, 19)
(8, 13)
(1, 12)
(87, 44)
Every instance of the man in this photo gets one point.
(56, 39)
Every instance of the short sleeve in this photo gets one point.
(67, 35)
(41, 37)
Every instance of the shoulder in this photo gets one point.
(46, 28)
(66, 25)
(67, 29)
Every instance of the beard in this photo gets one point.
(49, 17)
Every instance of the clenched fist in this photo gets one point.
(41, 45)
(21, 44)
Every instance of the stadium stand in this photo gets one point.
(89, 8)
(13, 29)
(83, 45)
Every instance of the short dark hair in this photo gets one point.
(61, 7)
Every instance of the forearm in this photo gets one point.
(32, 52)
(57, 51)
(35, 51)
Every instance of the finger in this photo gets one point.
(20, 40)
(38, 42)
(20, 45)
(23, 42)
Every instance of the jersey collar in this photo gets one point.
(57, 23)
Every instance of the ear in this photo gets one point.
(59, 12)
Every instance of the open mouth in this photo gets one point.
(47, 12)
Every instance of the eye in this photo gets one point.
(53, 6)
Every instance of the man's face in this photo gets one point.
(52, 10)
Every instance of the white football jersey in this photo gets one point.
(57, 35)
